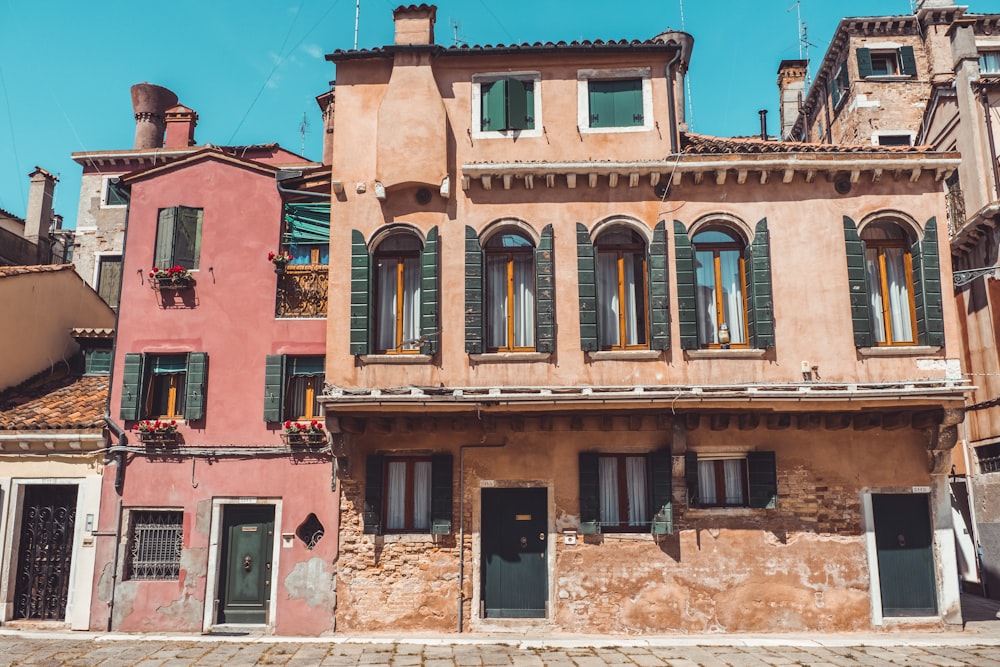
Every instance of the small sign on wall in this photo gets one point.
(921, 489)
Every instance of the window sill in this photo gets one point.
(701, 513)
(739, 353)
(638, 536)
(395, 358)
(898, 351)
(890, 77)
(624, 355)
(509, 357)
(407, 538)
(615, 129)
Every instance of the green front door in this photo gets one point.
(904, 545)
(514, 537)
(245, 576)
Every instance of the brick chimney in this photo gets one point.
(38, 218)
(415, 24)
(791, 90)
(150, 102)
(181, 122)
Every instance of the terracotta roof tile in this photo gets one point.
(704, 144)
(40, 268)
(466, 49)
(61, 403)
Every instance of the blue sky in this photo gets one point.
(252, 68)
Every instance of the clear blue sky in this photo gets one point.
(252, 68)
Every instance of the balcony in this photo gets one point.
(302, 291)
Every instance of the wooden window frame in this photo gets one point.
(720, 483)
(408, 494)
(176, 385)
(623, 526)
(716, 248)
(639, 250)
(399, 257)
(313, 385)
(880, 246)
(509, 254)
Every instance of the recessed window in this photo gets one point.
(507, 104)
(510, 292)
(890, 279)
(154, 545)
(615, 100)
(720, 288)
(397, 294)
(622, 289)
(719, 481)
(97, 361)
(292, 387)
(408, 494)
(989, 62)
(111, 195)
(989, 458)
(178, 237)
(898, 61)
(624, 492)
(840, 85)
(901, 139)
(164, 386)
(109, 278)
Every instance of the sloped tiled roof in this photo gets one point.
(67, 402)
(524, 47)
(700, 144)
(38, 268)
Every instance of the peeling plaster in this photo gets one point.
(313, 582)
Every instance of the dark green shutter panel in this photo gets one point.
(587, 284)
(763, 480)
(602, 104)
(864, 63)
(187, 237)
(857, 283)
(659, 292)
(360, 296)
(441, 496)
(131, 387)
(473, 293)
(927, 287)
(627, 101)
(907, 63)
(520, 116)
(274, 387)
(545, 297)
(164, 253)
(760, 315)
(661, 473)
(373, 494)
(691, 478)
(194, 392)
(430, 293)
(494, 100)
(590, 494)
(687, 301)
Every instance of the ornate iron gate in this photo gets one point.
(45, 552)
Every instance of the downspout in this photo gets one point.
(461, 519)
(674, 148)
(993, 149)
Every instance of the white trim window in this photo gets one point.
(893, 138)
(989, 61)
(110, 197)
(614, 100)
(506, 104)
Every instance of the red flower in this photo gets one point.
(270, 255)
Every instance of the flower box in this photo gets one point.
(174, 278)
(159, 439)
(280, 261)
(157, 432)
(304, 439)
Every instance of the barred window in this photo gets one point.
(154, 551)
(989, 458)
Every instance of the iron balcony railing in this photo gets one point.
(302, 291)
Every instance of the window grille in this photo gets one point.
(989, 458)
(155, 545)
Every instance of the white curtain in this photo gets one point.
(422, 495)
(732, 295)
(388, 297)
(706, 482)
(708, 324)
(635, 474)
(899, 295)
(608, 483)
(875, 294)
(631, 299)
(607, 298)
(396, 510)
(734, 481)
(411, 301)
(496, 302)
(524, 301)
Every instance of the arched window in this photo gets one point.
(720, 280)
(397, 294)
(622, 289)
(889, 269)
(510, 292)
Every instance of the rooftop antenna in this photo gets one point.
(803, 33)
(303, 128)
(454, 31)
(357, 18)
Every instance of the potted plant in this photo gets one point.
(304, 433)
(176, 277)
(157, 431)
(280, 260)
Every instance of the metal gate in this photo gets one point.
(45, 552)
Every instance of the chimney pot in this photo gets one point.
(150, 102)
(415, 24)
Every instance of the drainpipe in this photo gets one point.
(674, 148)
(284, 174)
(993, 149)
(461, 518)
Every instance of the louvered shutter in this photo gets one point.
(687, 301)
(857, 282)
(590, 513)
(763, 483)
(907, 61)
(691, 479)
(661, 474)
(757, 264)
(587, 285)
(864, 63)
(927, 287)
(132, 387)
(545, 301)
(274, 388)
(473, 292)
(360, 293)
(441, 493)
(373, 494)
(659, 290)
(430, 293)
(195, 380)
(163, 255)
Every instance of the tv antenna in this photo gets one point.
(803, 35)
(303, 128)
(357, 18)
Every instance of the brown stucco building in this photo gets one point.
(591, 372)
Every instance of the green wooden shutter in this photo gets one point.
(520, 105)
(602, 104)
(907, 62)
(187, 237)
(864, 63)
(659, 291)
(473, 292)
(661, 477)
(857, 282)
(132, 387)
(763, 476)
(691, 478)
(587, 285)
(687, 300)
(927, 287)
(360, 296)
(590, 494)
(627, 102)
(430, 293)
(545, 297)
(373, 494)
(757, 264)
(163, 255)
(194, 391)
(494, 105)
(274, 388)
(441, 494)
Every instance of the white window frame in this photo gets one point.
(99, 259)
(983, 48)
(584, 76)
(893, 133)
(890, 54)
(105, 185)
(477, 103)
